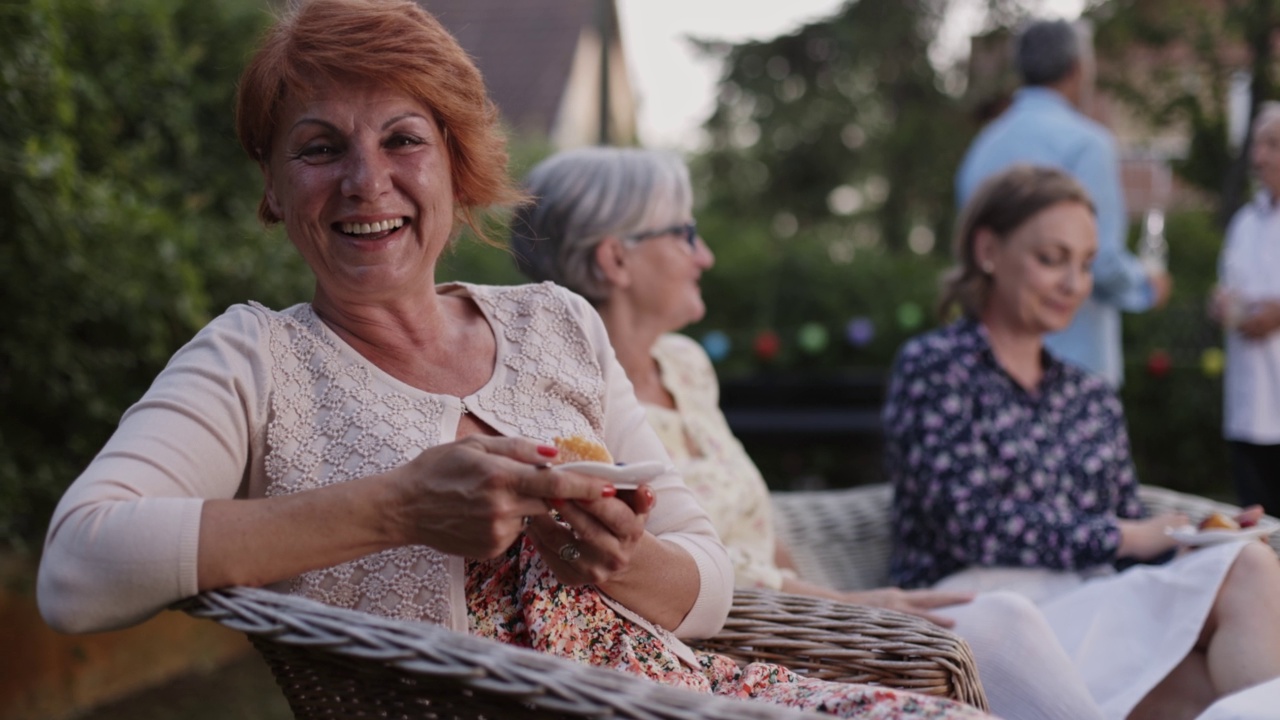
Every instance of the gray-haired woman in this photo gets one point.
(616, 226)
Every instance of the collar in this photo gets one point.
(1036, 94)
(1265, 202)
(978, 338)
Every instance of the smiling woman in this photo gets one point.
(1011, 470)
(386, 447)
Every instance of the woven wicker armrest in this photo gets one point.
(333, 663)
(838, 538)
(849, 643)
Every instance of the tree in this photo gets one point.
(840, 125)
(128, 220)
(1196, 47)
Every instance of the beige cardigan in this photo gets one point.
(264, 403)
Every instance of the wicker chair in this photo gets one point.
(841, 538)
(332, 663)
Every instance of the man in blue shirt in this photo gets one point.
(1044, 127)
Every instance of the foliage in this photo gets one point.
(1175, 420)
(841, 127)
(129, 220)
(1192, 48)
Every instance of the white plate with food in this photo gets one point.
(1195, 537)
(624, 476)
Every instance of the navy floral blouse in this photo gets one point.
(986, 473)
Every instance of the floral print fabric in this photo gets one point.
(713, 462)
(516, 599)
(986, 473)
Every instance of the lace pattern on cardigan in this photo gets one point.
(554, 384)
(333, 421)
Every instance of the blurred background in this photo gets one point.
(823, 137)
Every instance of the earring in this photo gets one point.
(988, 268)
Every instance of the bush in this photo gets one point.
(129, 220)
(1175, 418)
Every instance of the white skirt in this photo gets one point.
(1124, 632)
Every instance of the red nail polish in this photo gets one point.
(548, 450)
(608, 491)
(556, 502)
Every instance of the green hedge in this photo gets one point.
(1175, 419)
(128, 220)
(129, 223)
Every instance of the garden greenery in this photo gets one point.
(129, 222)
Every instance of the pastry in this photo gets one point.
(1218, 521)
(576, 448)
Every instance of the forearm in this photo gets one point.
(266, 540)
(657, 564)
(796, 586)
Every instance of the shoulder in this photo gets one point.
(954, 345)
(541, 294)
(1083, 388)
(683, 350)
(1247, 218)
(245, 323)
(518, 304)
(686, 367)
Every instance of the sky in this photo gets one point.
(675, 87)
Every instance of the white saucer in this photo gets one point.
(1189, 535)
(626, 476)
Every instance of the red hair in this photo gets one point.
(392, 43)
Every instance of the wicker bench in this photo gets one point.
(332, 663)
(841, 538)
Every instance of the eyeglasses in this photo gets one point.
(688, 231)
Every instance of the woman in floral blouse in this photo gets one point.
(1012, 470)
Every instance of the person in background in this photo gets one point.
(1046, 125)
(1247, 303)
(1011, 470)
(616, 226)
(386, 447)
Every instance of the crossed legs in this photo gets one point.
(1239, 646)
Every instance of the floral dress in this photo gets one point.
(517, 600)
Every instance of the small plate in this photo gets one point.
(1189, 535)
(624, 476)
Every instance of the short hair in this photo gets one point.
(1001, 204)
(394, 44)
(1268, 113)
(579, 197)
(1046, 51)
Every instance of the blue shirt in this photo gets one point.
(987, 474)
(1042, 128)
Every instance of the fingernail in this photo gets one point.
(556, 502)
(548, 450)
(608, 491)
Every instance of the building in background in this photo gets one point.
(555, 68)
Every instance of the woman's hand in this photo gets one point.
(597, 538)
(470, 497)
(1250, 516)
(1262, 319)
(1146, 539)
(912, 602)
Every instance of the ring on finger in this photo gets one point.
(569, 552)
